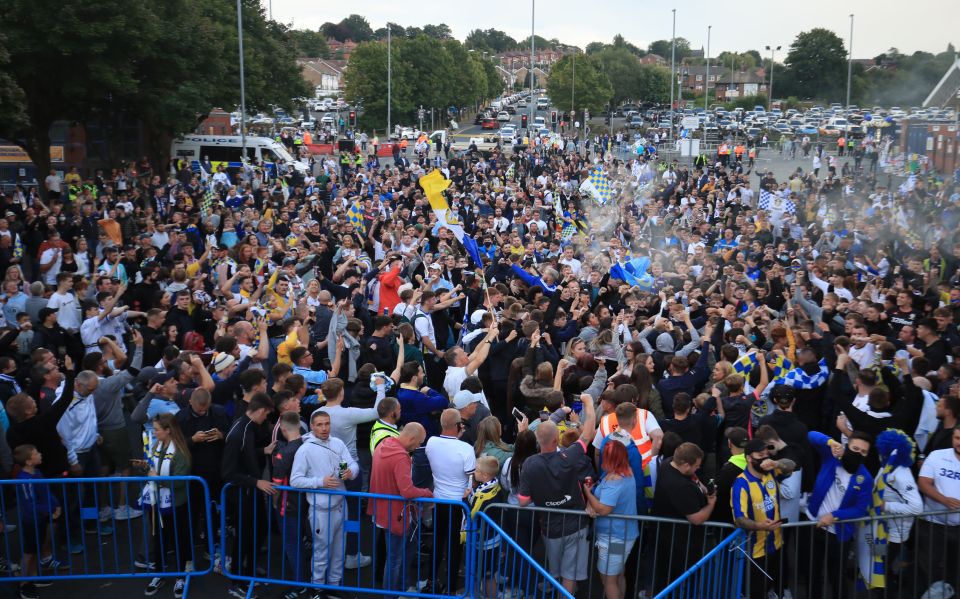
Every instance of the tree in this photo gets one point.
(816, 66)
(541, 43)
(662, 48)
(621, 68)
(495, 81)
(590, 88)
(620, 42)
(594, 47)
(395, 31)
(309, 43)
(366, 79)
(354, 27)
(440, 32)
(491, 40)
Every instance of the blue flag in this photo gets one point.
(473, 250)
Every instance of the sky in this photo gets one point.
(878, 24)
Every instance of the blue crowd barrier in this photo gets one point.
(81, 545)
(308, 535)
(717, 575)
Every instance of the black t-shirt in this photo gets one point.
(676, 495)
(695, 428)
(899, 319)
(553, 481)
(936, 352)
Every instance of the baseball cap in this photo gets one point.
(737, 436)
(44, 312)
(755, 445)
(464, 398)
(477, 316)
(161, 378)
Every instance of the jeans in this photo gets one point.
(400, 553)
(293, 526)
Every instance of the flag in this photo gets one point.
(765, 198)
(745, 364)
(618, 272)
(637, 267)
(17, 247)
(798, 379)
(207, 203)
(597, 184)
(355, 216)
(470, 244)
(789, 206)
(447, 219)
(433, 185)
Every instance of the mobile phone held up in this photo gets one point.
(517, 414)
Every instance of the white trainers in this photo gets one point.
(106, 513)
(938, 590)
(125, 512)
(354, 562)
(178, 588)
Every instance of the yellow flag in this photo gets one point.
(433, 185)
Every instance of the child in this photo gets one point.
(37, 507)
(25, 337)
(486, 490)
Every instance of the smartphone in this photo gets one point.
(784, 520)
(517, 414)
(577, 406)
(544, 416)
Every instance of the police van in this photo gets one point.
(226, 150)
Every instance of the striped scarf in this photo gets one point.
(872, 568)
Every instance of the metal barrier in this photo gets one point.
(719, 574)
(917, 556)
(64, 530)
(649, 552)
(504, 569)
(309, 538)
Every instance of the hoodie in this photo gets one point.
(391, 476)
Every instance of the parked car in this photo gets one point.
(503, 116)
(488, 123)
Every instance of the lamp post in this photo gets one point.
(770, 88)
(673, 67)
(850, 62)
(389, 80)
(706, 87)
(243, 91)
(533, 101)
(573, 84)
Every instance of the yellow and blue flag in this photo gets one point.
(355, 216)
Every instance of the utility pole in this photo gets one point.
(573, 84)
(243, 91)
(706, 86)
(533, 100)
(770, 89)
(850, 63)
(673, 67)
(389, 81)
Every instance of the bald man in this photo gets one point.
(552, 479)
(391, 476)
(452, 462)
(324, 312)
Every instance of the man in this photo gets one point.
(343, 426)
(302, 359)
(460, 365)
(645, 430)
(930, 345)
(289, 510)
(948, 413)
(843, 490)
(380, 348)
(683, 378)
(939, 483)
(243, 463)
(679, 494)
(204, 425)
(755, 500)
(419, 403)
(792, 433)
(552, 478)
(387, 424)
(50, 335)
(736, 439)
(65, 303)
(323, 462)
(452, 462)
(391, 476)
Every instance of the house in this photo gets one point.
(654, 59)
(341, 50)
(515, 59)
(694, 78)
(739, 84)
(324, 75)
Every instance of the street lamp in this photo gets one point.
(243, 92)
(850, 62)
(770, 88)
(673, 68)
(533, 101)
(706, 86)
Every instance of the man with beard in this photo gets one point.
(843, 491)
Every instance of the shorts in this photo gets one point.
(34, 532)
(568, 557)
(115, 450)
(612, 555)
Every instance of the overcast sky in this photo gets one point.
(879, 24)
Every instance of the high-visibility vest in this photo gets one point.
(380, 432)
(641, 439)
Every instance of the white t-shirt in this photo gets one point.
(453, 379)
(943, 467)
(424, 326)
(834, 496)
(452, 462)
(54, 255)
(68, 310)
(574, 265)
(53, 183)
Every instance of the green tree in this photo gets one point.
(653, 84)
(541, 43)
(353, 27)
(309, 43)
(494, 78)
(491, 40)
(621, 68)
(594, 47)
(366, 79)
(440, 32)
(662, 48)
(590, 88)
(395, 31)
(816, 66)
(620, 42)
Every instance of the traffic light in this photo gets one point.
(353, 118)
(523, 121)
(553, 116)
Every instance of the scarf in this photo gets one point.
(12, 381)
(160, 458)
(478, 498)
(872, 540)
(353, 348)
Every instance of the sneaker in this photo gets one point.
(938, 590)
(125, 512)
(178, 588)
(154, 586)
(9, 528)
(106, 513)
(293, 593)
(359, 560)
(8, 568)
(188, 567)
(332, 594)
(50, 563)
(142, 563)
(104, 530)
(240, 592)
(787, 594)
(75, 548)
(28, 590)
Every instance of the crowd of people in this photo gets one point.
(708, 343)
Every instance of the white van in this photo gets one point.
(226, 150)
(543, 103)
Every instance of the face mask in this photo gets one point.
(756, 465)
(851, 461)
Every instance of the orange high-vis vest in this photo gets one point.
(723, 150)
(641, 439)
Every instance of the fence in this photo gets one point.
(67, 525)
(311, 539)
(650, 552)
(719, 574)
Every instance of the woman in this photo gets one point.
(16, 275)
(517, 523)
(489, 439)
(615, 494)
(169, 456)
(82, 257)
(69, 261)
(171, 332)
